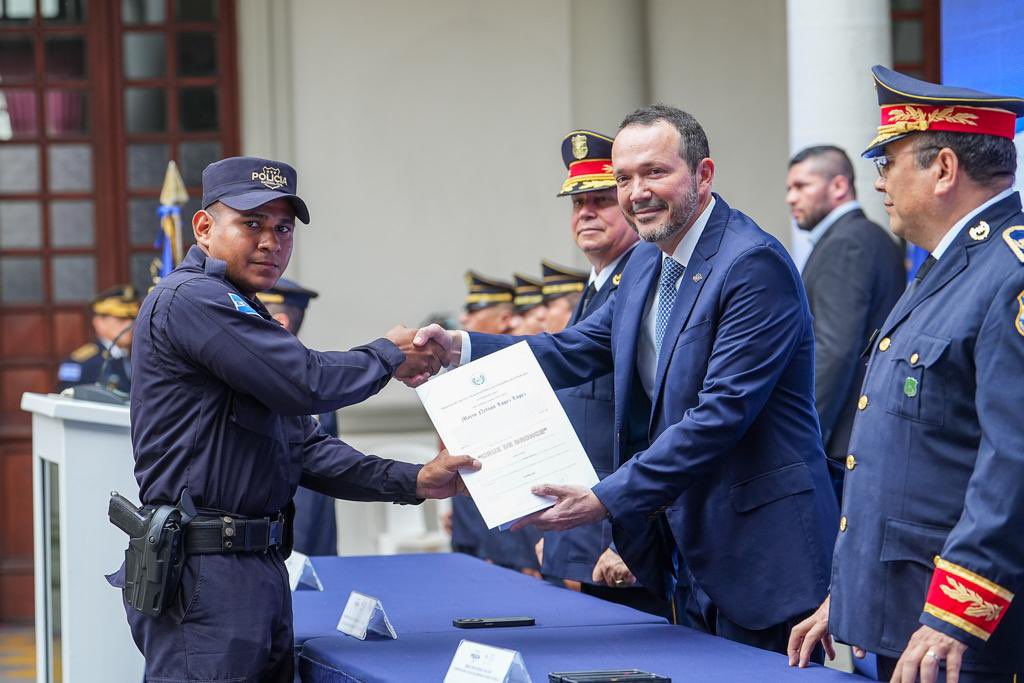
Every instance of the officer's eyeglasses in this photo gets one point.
(882, 163)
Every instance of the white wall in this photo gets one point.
(725, 63)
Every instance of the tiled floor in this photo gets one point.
(17, 654)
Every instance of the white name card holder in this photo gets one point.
(302, 574)
(364, 617)
(478, 663)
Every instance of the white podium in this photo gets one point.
(81, 451)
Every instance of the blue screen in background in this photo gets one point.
(981, 46)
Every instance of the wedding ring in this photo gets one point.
(619, 582)
(931, 653)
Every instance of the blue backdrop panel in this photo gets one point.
(675, 651)
(423, 593)
(981, 46)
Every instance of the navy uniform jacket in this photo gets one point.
(934, 493)
(572, 554)
(853, 277)
(734, 477)
(85, 366)
(223, 397)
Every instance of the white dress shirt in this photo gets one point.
(646, 353)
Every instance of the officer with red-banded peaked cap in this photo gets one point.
(930, 554)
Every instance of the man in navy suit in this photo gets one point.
(710, 343)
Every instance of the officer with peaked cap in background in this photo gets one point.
(315, 530)
(220, 408)
(490, 306)
(930, 552)
(563, 289)
(106, 359)
(587, 554)
(531, 312)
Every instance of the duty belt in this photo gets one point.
(230, 534)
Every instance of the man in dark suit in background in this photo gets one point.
(853, 277)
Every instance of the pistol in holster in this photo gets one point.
(156, 549)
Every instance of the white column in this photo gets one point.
(832, 46)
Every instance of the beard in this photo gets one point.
(811, 220)
(680, 216)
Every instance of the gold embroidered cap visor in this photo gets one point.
(908, 105)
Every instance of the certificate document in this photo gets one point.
(501, 410)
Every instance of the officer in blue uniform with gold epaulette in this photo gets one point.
(105, 360)
(587, 554)
(221, 407)
(930, 551)
(315, 531)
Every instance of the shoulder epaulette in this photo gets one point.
(84, 352)
(1014, 238)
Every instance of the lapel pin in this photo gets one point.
(979, 232)
(698, 277)
(616, 279)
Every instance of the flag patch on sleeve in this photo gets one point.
(242, 305)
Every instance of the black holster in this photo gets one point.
(156, 550)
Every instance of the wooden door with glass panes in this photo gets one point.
(96, 96)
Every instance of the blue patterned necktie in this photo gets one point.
(671, 271)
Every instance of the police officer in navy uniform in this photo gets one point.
(314, 531)
(105, 360)
(930, 552)
(587, 554)
(221, 406)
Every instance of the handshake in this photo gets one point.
(426, 350)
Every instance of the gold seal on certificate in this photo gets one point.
(501, 410)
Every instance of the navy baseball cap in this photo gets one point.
(244, 183)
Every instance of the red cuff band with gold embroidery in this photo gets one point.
(966, 600)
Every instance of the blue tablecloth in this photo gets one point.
(681, 653)
(423, 593)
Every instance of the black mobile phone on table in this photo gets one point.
(492, 622)
(606, 676)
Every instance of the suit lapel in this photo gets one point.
(697, 271)
(829, 234)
